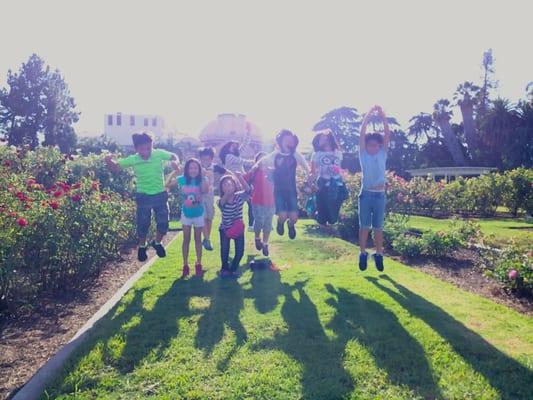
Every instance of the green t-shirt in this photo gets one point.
(149, 173)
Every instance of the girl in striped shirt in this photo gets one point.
(232, 226)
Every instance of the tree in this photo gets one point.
(442, 115)
(344, 122)
(36, 101)
(22, 107)
(488, 82)
(466, 97)
(422, 128)
(402, 153)
(60, 114)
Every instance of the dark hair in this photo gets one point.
(332, 141)
(376, 137)
(186, 174)
(142, 138)
(225, 150)
(259, 156)
(206, 152)
(282, 134)
(224, 178)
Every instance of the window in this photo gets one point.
(132, 120)
(146, 122)
(109, 120)
(154, 121)
(119, 119)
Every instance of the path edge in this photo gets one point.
(35, 386)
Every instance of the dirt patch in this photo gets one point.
(464, 269)
(29, 341)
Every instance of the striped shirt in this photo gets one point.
(232, 212)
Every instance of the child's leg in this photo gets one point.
(185, 244)
(198, 243)
(143, 217)
(208, 223)
(224, 249)
(250, 214)
(321, 205)
(365, 219)
(161, 216)
(239, 252)
(378, 217)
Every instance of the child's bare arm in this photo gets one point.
(386, 136)
(242, 181)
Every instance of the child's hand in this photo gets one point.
(175, 166)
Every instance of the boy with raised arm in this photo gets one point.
(148, 166)
(373, 157)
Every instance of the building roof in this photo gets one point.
(451, 171)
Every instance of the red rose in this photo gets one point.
(58, 193)
(76, 186)
(104, 197)
(12, 214)
(54, 205)
(22, 222)
(20, 196)
(76, 197)
(7, 163)
(94, 186)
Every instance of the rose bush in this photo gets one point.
(61, 219)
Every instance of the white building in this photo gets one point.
(119, 127)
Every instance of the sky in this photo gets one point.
(282, 63)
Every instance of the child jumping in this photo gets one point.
(284, 162)
(263, 204)
(192, 188)
(206, 155)
(148, 166)
(326, 165)
(232, 226)
(230, 155)
(373, 157)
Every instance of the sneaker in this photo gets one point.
(378, 260)
(159, 249)
(265, 250)
(280, 228)
(251, 228)
(198, 270)
(185, 272)
(207, 245)
(141, 253)
(225, 273)
(292, 231)
(258, 244)
(363, 259)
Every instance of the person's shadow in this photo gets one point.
(226, 303)
(395, 352)
(509, 377)
(323, 373)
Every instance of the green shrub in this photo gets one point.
(519, 190)
(408, 245)
(514, 269)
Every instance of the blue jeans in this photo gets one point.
(371, 209)
(145, 204)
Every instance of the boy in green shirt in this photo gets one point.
(148, 166)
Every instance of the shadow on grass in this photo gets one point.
(509, 377)
(379, 331)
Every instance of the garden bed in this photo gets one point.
(463, 268)
(29, 340)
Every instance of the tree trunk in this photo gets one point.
(451, 141)
(469, 125)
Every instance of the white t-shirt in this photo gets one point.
(327, 163)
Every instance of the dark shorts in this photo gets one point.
(145, 204)
(286, 201)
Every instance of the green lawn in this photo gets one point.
(318, 330)
(498, 231)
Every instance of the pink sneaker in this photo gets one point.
(185, 273)
(198, 269)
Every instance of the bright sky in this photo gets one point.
(283, 63)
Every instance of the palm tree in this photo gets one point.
(442, 115)
(422, 128)
(529, 91)
(466, 97)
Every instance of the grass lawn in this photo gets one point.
(320, 329)
(498, 231)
